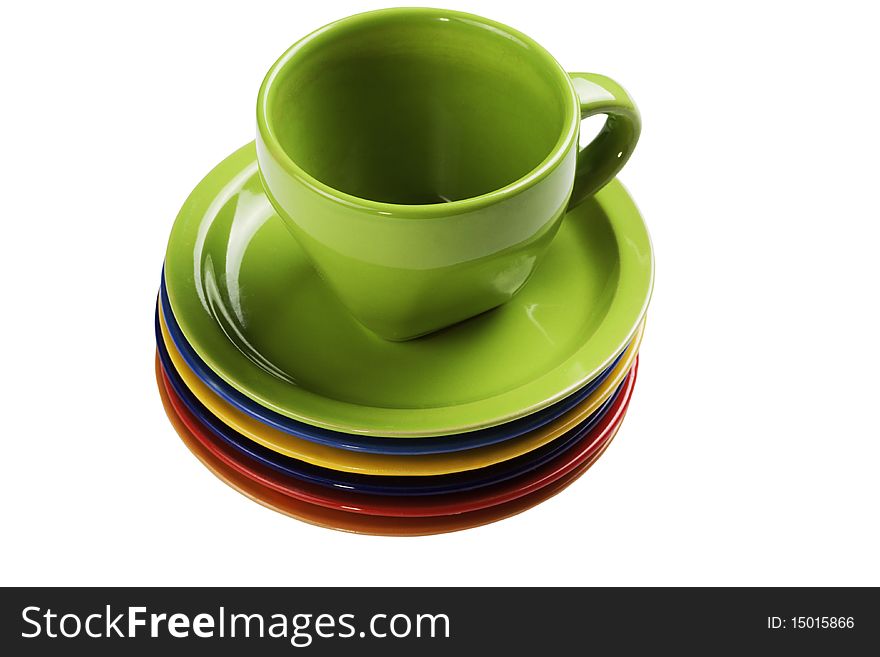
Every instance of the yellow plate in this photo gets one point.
(390, 464)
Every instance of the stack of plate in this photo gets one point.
(286, 398)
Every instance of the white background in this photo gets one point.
(751, 451)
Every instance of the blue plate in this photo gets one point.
(370, 484)
(371, 444)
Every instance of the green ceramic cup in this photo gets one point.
(424, 158)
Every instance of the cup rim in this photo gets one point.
(270, 139)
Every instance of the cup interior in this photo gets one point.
(417, 107)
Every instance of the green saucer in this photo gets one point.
(257, 313)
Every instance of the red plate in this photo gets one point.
(583, 453)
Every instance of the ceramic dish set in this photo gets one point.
(414, 305)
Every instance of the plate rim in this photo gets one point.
(422, 465)
(165, 331)
(585, 449)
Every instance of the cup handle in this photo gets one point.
(600, 160)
